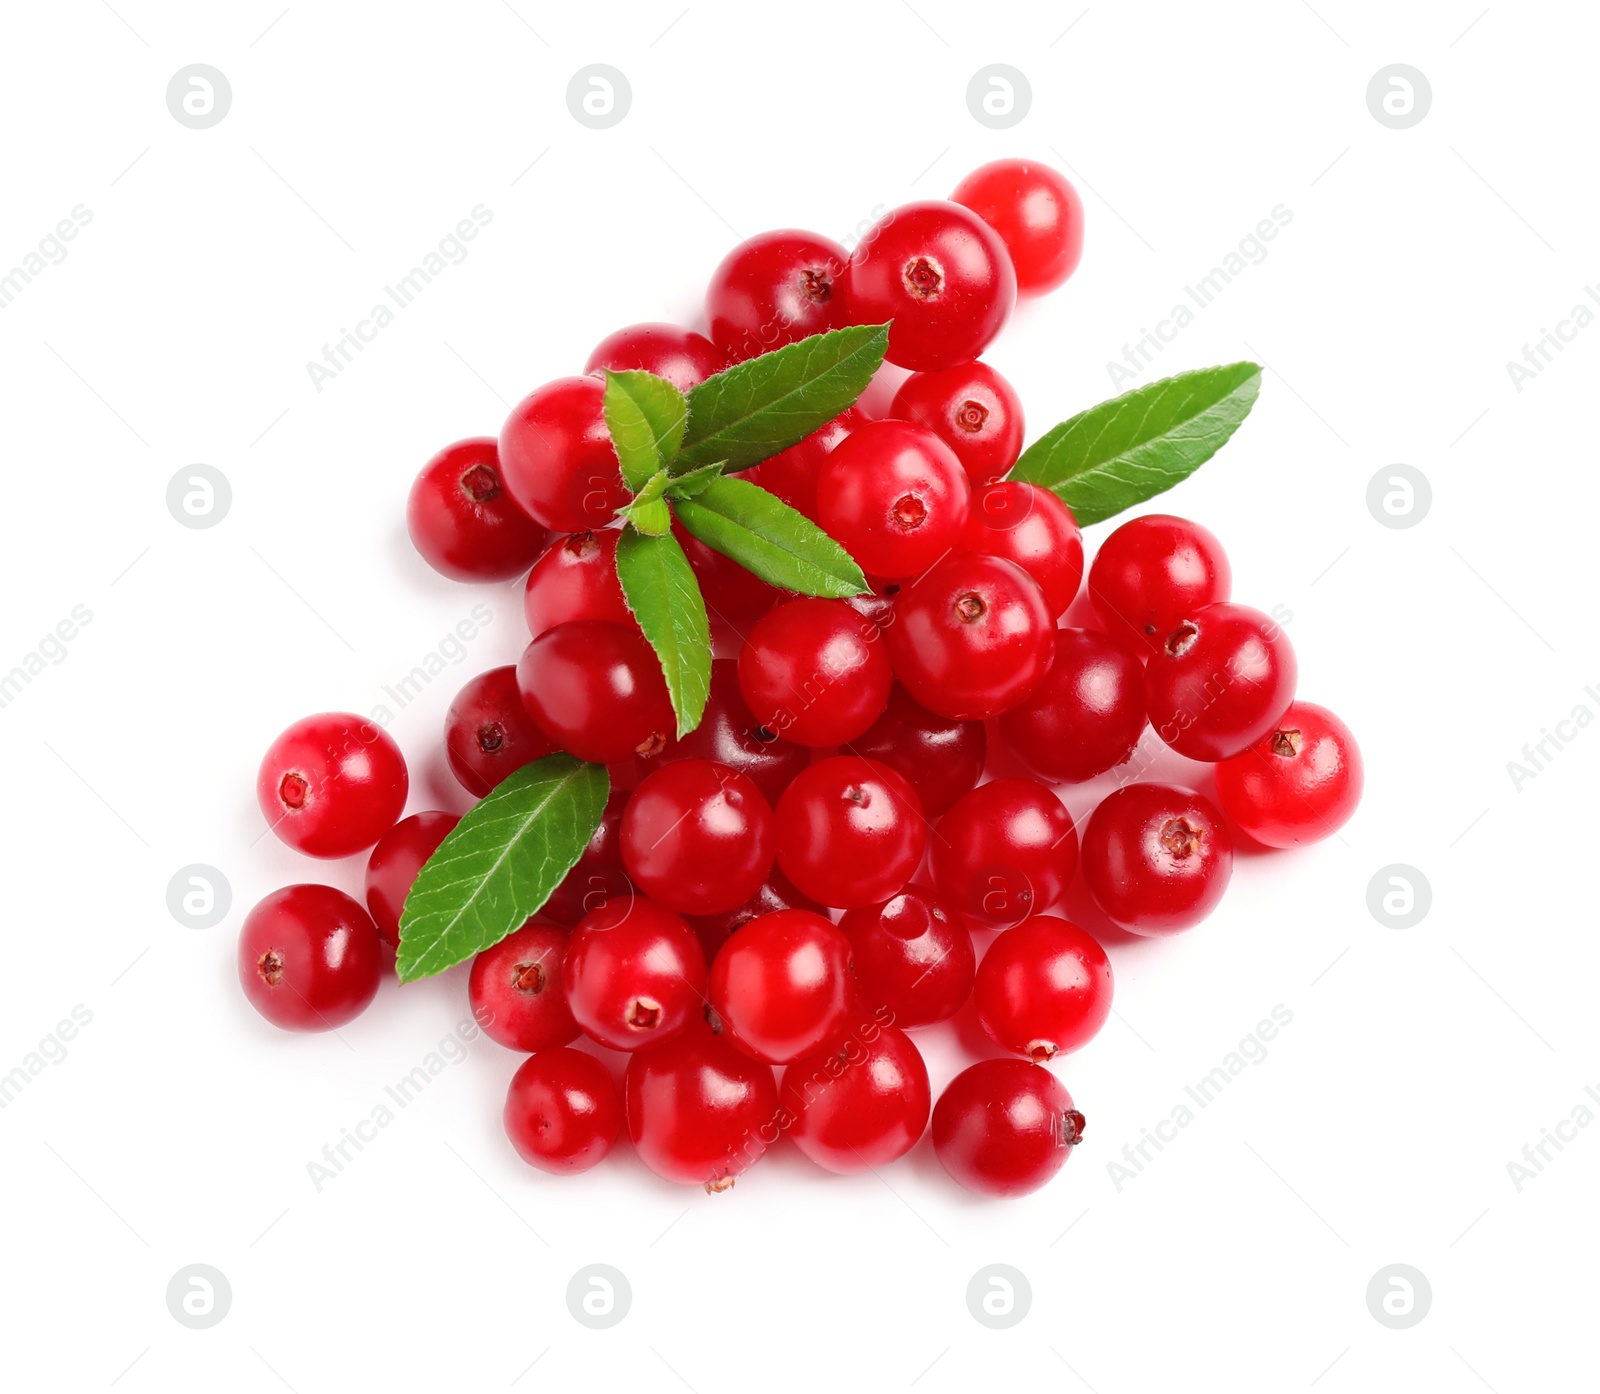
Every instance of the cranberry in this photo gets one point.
(860, 1102)
(781, 985)
(633, 973)
(1220, 681)
(557, 459)
(1033, 528)
(516, 990)
(1154, 572)
(894, 496)
(850, 832)
(941, 275)
(940, 757)
(973, 410)
(562, 1113)
(682, 357)
(598, 876)
(462, 520)
(1044, 988)
(776, 893)
(1087, 715)
(394, 864)
(792, 475)
(332, 785)
(729, 734)
(309, 958)
(812, 672)
(972, 638)
(773, 289)
(597, 690)
(699, 1110)
(732, 594)
(488, 733)
(1037, 213)
(1157, 857)
(1005, 851)
(576, 579)
(1298, 783)
(913, 957)
(1005, 1127)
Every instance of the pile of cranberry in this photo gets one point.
(839, 764)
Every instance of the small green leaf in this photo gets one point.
(652, 517)
(654, 487)
(500, 863)
(757, 408)
(765, 536)
(646, 416)
(1133, 447)
(686, 486)
(660, 588)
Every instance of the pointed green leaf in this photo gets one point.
(652, 517)
(686, 486)
(661, 590)
(646, 416)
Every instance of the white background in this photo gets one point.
(1377, 1130)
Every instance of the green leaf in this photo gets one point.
(662, 592)
(500, 863)
(646, 417)
(652, 517)
(686, 486)
(1133, 447)
(765, 536)
(757, 408)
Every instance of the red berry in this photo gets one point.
(516, 989)
(462, 520)
(488, 733)
(1220, 682)
(776, 893)
(682, 357)
(557, 459)
(576, 579)
(309, 958)
(598, 876)
(941, 275)
(1005, 1127)
(781, 985)
(562, 1113)
(1037, 213)
(973, 410)
(394, 865)
(1043, 989)
(773, 289)
(1006, 851)
(913, 957)
(812, 671)
(850, 832)
(1156, 857)
(731, 593)
(332, 785)
(1298, 783)
(634, 974)
(1154, 572)
(1033, 528)
(1087, 715)
(729, 734)
(972, 638)
(860, 1102)
(940, 757)
(792, 475)
(596, 690)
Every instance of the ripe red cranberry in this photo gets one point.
(1005, 1127)
(1156, 857)
(773, 289)
(913, 957)
(1154, 572)
(682, 357)
(598, 876)
(1220, 681)
(1033, 528)
(973, 410)
(488, 733)
(972, 638)
(516, 989)
(940, 757)
(464, 522)
(331, 785)
(1006, 851)
(792, 475)
(699, 1110)
(894, 496)
(729, 734)
(557, 459)
(562, 1113)
(776, 893)
(633, 973)
(309, 958)
(1087, 715)
(1298, 783)
(781, 985)
(941, 275)
(860, 1102)
(1037, 213)
(596, 690)
(850, 832)
(1043, 989)
(811, 671)
(576, 579)
(731, 593)
(394, 865)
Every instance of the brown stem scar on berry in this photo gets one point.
(490, 738)
(719, 1184)
(909, 511)
(1072, 1127)
(713, 1020)
(1286, 743)
(1182, 639)
(970, 609)
(644, 1014)
(480, 484)
(1040, 1051)
(923, 277)
(527, 977)
(581, 544)
(1181, 838)
(971, 415)
(293, 790)
(270, 966)
(651, 745)
(816, 286)
(857, 795)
